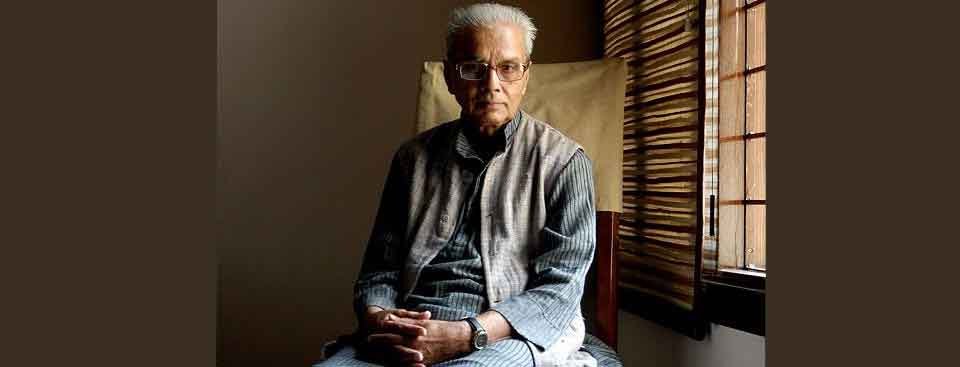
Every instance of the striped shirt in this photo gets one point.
(451, 286)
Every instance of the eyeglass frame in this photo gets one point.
(525, 66)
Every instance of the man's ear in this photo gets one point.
(448, 75)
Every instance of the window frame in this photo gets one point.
(734, 294)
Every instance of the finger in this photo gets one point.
(394, 310)
(413, 314)
(402, 328)
(384, 338)
(406, 320)
(406, 354)
(392, 317)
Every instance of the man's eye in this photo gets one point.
(471, 68)
(509, 67)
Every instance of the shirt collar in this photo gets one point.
(469, 146)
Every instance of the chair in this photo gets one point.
(584, 100)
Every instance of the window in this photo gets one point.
(734, 180)
(692, 233)
(736, 137)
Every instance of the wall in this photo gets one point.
(644, 343)
(315, 96)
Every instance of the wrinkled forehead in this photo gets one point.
(500, 42)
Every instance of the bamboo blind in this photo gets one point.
(660, 225)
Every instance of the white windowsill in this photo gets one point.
(745, 272)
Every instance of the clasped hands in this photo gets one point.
(398, 337)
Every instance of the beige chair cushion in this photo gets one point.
(584, 100)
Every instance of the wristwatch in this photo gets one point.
(479, 339)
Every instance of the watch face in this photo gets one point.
(480, 340)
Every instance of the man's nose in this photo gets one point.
(493, 79)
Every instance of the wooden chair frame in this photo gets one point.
(607, 309)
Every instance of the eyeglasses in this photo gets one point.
(507, 72)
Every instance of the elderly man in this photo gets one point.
(486, 226)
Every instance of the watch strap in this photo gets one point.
(474, 324)
(478, 338)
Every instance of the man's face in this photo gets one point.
(490, 102)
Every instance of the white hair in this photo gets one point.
(486, 15)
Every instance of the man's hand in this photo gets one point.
(375, 320)
(443, 340)
(390, 327)
(401, 337)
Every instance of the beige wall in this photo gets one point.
(644, 343)
(315, 96)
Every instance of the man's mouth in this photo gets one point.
(488, 104)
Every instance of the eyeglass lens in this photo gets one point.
(477, 71)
